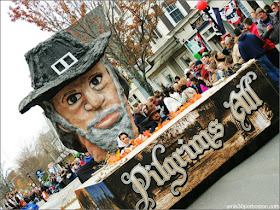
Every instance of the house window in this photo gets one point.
(158, 83)
(216, 40)
(208, 32)
(185, 60)
(168, 77)
(253, 4)
(154, 40)
(130, 100)
(174, 13)
(134, 100)
(157, 36)
(194, 43)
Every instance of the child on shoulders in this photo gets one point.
(221, 67)
(215, 74)
(231, 67)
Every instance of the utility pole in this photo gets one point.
(30, 178)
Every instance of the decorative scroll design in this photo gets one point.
(243, 102)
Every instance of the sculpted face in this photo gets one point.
(95, 109)
(81, 101)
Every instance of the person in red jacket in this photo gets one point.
(201, 71)
(270, 50)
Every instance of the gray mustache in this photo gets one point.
(103, 114)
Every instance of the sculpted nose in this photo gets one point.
(93, 100)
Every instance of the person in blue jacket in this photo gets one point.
(250, 46)
(87, 157)
(25, 205)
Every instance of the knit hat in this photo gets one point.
(205, 54)
(21, 203)
(197, 62)
(259, 10)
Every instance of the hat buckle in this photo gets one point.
(64, 63)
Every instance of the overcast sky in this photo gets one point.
(17, 129)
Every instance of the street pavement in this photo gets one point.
(61, 198)
(255, 181)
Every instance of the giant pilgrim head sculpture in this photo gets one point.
(80, 92)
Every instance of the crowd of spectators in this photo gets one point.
(18, 200)
(258, 39)
(53, 184)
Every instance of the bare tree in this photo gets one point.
(36, 156)
(5, 183)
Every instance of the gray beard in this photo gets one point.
(106, 139)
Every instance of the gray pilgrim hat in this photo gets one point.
(58, 61)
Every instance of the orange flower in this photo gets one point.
(144, 139)
(127, 151)
(171, 117)
(186, 105)
(138, 141)
(123, 155)
(158, 127)
(165, 122)
(118, 155)
(112, 159)
(147, 133)
(172, 113)
(196, 96)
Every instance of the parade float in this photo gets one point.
(169, 168)
(203, 141)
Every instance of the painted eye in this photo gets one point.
(95, 81)
(73, 98)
